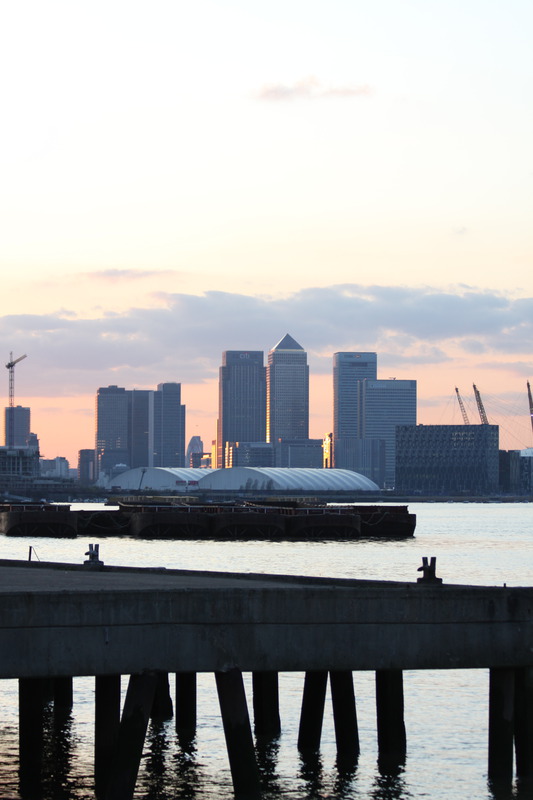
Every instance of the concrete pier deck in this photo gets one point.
(65, 619)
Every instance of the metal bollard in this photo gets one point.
(428, 571)
(93, 562)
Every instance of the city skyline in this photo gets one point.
(221, 174)
(450, 411)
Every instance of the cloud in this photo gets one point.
(119, 275)
(407, 327)
(310, 88)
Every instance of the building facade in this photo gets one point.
(349, 370)
(386, 404)
(287, 392)
(366, 412)
(241, 400)
(447, 459)
(139, 428)
(17, 426)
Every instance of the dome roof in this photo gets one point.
(287, 479)
(168, 479)
(186, 479)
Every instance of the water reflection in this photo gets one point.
(389, 785)
(310, 772)
(267, 754)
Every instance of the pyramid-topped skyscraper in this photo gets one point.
(287, 391)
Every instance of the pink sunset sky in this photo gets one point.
(182, 179)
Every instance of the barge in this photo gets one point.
(234, 521)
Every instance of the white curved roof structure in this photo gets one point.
(283, 479)
(287, 479)
(167, 479)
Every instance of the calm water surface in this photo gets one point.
(445, 711)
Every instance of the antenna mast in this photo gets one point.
(480, 407)
(462, 407)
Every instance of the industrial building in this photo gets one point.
(447, 459)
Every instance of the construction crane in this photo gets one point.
(462, 407)
(530, 403)
(480, 407)
(11, 367)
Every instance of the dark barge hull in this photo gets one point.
(211, 522)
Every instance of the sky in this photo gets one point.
(178, 179)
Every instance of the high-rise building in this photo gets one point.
(86, 466)
(169, 426)
(287, 392)
(385, 404)
(112, 418)
(17, 426)
(194, 448)
(241, 399)
(366, 412)
(139, 427)
(348, 370)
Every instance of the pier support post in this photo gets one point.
(501, 724)
(392, 742)
(312, 714)
(344, 716)
(238, 733)
(63, 696)
(186, 704)
(266, 704)
(131, 735)
(523, 729)
(31, 735)
(162, 708)
(106, 726)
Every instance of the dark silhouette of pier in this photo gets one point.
(59, 620)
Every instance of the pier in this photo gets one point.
(58, 621)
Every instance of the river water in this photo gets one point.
(445, 711)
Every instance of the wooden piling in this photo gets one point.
(186, 704)
(392, 742)
(267, 721)
(63, 698)
(162, 708)
(31, 735)
(312, 714)
(344, 716)
(501, 723)
(132, 732)
(106, 727)
(238, 733)
(523, 725)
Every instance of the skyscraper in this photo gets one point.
(348, 370)
(241, 399)
(366, 412)
(139, 427)
(112, 419)
(385, 404)
(287, 392)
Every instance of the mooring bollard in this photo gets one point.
(428, 571)
(93, 562)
